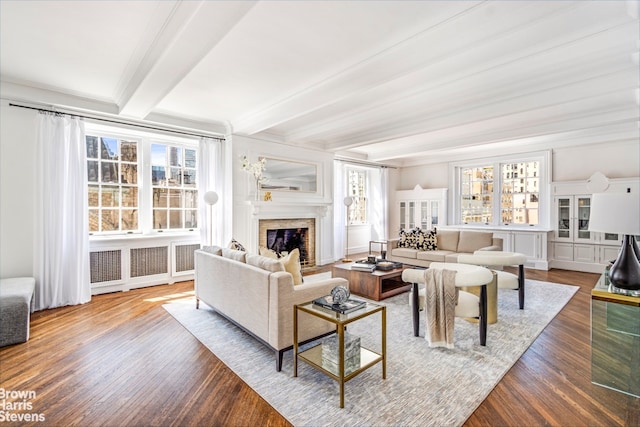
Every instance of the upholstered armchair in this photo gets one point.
(469, 305)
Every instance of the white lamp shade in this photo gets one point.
(615, 213)
(210, 197)
(348, 201)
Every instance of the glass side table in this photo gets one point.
(313, 355)
(615, 339)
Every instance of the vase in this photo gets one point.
(257, 190)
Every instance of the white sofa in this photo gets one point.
(255, 293)
(449, 244)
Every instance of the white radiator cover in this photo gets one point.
(121, 264)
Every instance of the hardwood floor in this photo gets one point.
(122, 360)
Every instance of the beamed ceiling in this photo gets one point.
(398, 82)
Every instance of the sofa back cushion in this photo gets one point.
(234, 254)
(471, 241)
(265, 263)
(448, 240)
(216, 250)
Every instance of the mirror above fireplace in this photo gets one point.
(287, 175)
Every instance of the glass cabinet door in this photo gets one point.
(424, 215)
(564, 217)
(611, 238)
(435, 208)
(583, 204)
(403, 217)
(412, 215)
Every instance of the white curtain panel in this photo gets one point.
(61, 247)
(378, 208)
(339, 209)
(210, 178)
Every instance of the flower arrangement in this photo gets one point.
(256, 168)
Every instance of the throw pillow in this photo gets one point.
(404, 241)
(431, 240)
(234, 244)
(291, 263)
(420, 239)
(269, 253)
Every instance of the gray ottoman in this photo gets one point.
(16, 296)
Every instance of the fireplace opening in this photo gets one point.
(284, 235)
(284, 240)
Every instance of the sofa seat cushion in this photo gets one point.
(471, 241)
(404, 252)
(453, 257)
(433, 256)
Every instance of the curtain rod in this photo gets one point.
(45, 110)
(363, 163)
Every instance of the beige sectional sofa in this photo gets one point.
(258, 295)
(448, 245)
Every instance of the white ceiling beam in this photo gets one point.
(508, 33)
(190, 31)
(604, 135)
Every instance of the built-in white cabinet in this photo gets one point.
(573, 246)
(422, 208)
(532, 243)
(572, 214)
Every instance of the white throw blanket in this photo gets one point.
(441, 297)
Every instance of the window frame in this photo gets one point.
(115, 184)
(365, 173)
(145, 187)
(544, 190)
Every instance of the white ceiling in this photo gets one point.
(399, 82)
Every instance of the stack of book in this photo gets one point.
(344, 307)
(363, 266)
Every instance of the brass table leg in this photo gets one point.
(295, 340)
(341, 362)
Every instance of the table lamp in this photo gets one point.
(620, 213)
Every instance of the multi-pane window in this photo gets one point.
(476, 194)
(112, 167)
(175, 197)
(139, 184)
(520, 193)
(356, 182)
(504, 192)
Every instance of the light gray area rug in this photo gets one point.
(424, 386)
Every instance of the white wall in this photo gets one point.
(614, 160)
(17, 181)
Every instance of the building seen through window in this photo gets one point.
(516, 188)
(357, 189)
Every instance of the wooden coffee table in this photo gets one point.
(377, 285)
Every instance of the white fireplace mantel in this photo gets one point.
(299, 209)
